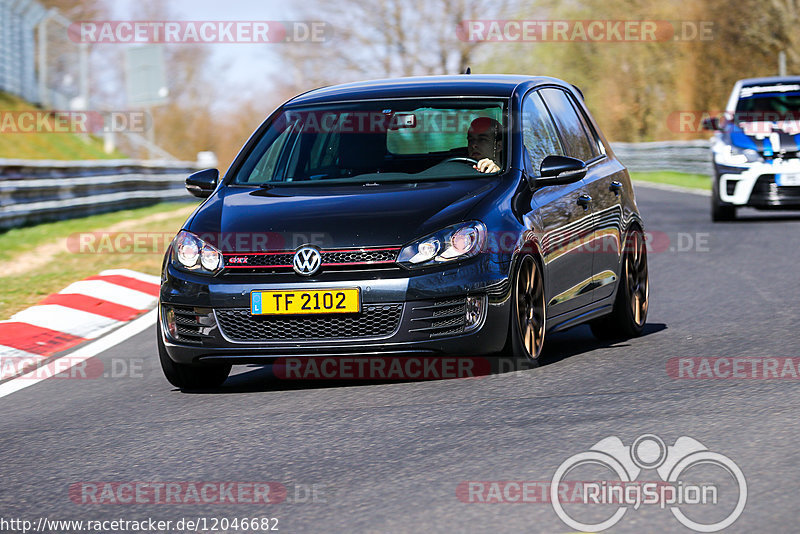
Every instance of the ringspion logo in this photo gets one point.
(675, 465)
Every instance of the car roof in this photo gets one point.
(491, 85)
(769, 80)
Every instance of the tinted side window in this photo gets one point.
(594, 142)
(264, 168)
(538, 132)
(570, 125)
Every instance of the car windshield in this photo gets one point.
(378, 141)
(763, 104)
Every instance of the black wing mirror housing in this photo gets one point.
(559, 170)
(202, 183)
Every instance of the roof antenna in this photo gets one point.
(468, 71)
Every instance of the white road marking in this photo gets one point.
(107, 291)
(11, 352)
(13, 360)
(84, 353)
(68, 320)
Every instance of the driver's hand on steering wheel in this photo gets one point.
(486, 165)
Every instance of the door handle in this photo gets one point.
(616, 187)
(584, 200)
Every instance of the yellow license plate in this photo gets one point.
(304, 302)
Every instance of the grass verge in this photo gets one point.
(18, 240)
(54, 266)
(44, 144)
(692, 181)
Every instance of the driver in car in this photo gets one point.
(484, 144)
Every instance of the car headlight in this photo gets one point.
(726, 154)
(191, 252)
(452, 243)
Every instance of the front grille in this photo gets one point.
(359, 256)
(255, 262)
(376, 320)
(764, 183)
(766, 186)
(261, 260)
(443, 317)
(192, 325)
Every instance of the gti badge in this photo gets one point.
(307, 261)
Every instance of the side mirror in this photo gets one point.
(202, 183)
(559, 170)
(711, 123)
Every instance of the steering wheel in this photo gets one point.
(462, 160)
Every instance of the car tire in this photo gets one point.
(720, 211)
(528, 312)
(189, 376)
(629, 314)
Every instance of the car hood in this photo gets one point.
(765, 137)
(340, 216)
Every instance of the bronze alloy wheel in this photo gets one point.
(637, 282)
(530, 311)
(629, 314)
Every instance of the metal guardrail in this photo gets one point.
(679, 156)
(17, 47)
(38, 191)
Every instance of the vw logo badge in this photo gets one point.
(307, 261)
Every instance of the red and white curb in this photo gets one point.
(80, 312)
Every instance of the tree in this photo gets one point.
(635, 88)
(388, 38)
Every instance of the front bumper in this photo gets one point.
(754, 185)
(402, 312)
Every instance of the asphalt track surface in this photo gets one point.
(390, 456)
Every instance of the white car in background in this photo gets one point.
(755, 147)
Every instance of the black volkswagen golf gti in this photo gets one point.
(449, 215)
